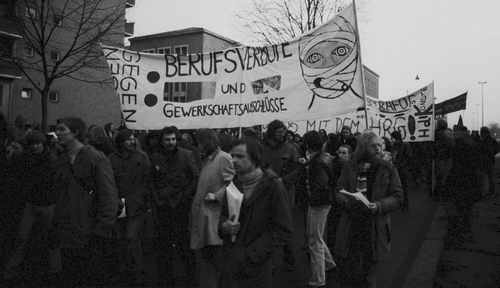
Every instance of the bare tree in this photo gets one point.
(64, 36)
(275, 21)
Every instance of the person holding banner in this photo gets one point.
(364, 231)
(265, 222)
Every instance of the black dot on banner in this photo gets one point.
(153, 76)
(150, 100)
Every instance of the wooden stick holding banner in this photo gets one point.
(361, 61)
(433, 173)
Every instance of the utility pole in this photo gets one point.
(482, 83)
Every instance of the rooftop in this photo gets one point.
(190, 30)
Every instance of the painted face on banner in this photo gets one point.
(329, 60)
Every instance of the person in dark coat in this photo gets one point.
(443, 147)
(174, 178)
(489, 148)
(264, 222)
(341, 157)
(316, 182)
(282, 157)
(364, 230)
(464, 183)
(98, 138)
(38, 189)
(131, 169)
(402, 156)
(86, 208)
(346, 138)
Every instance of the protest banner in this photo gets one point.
(313, 76)
(411, 115)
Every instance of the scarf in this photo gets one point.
(249, 181)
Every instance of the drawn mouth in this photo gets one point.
(317, 83)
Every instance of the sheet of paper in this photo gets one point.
(234, 199)
(358, 196)
(123, 212)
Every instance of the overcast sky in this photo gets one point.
(455, 43)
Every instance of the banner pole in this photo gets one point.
(433, 119)
(361, 63)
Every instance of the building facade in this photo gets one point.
(89, 96)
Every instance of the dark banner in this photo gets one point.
(451, 105)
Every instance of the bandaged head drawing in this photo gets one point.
(329, 60)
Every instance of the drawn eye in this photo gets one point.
(341, 51)
(314, 58)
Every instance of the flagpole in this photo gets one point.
(361, 63)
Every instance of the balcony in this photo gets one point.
(129, 29)
(130, 3)
(9, 70)
(9, 28)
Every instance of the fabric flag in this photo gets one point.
(452, 105)
(315, 75)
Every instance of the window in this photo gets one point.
(149, 51)
(54, 96)
(181, 50)
(58, 20)
(180, 88)
(54, 55)
(26, 93)
(30, 12)
(164, 50)
(29, 51)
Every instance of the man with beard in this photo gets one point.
(131, 169)
(216, 173)
(264, 220)
(364, 231)
(174, 178)
(86, 208)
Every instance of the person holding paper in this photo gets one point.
(216, 173)
(265, 222)
(132, 169)
(364, 231)
(316, 182)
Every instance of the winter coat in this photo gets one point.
(87, 201)
(466, 162)
(37, 179)
(174, 176)
(385, 189)
(132, 172)
(317, 180)
(216, 172)
(265, 226)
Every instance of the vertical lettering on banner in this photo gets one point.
(125, 70)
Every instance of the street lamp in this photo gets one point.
(482, 83)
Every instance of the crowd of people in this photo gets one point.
(84, 199)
